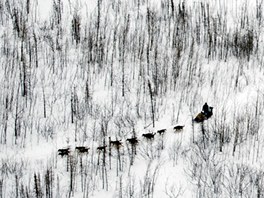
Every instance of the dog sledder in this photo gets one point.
(206, 113)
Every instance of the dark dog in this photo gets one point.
(116, 143)
(82, 149)
(101, 148)
(178, 127)
(132, 140)
(149, 136)
(63, 152)
(161, 131)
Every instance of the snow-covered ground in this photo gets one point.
(76, 73)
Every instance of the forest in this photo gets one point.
(98, 98)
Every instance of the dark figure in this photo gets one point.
(63, 152)
(205, 109)
(161, 131)
(178, 128)
(149, 136)
(82, 149)
(116, 143)
(132, 140)
(206, 113)
(101, 148)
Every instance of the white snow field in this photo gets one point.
(76, 75)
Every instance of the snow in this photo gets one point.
(187, 163)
